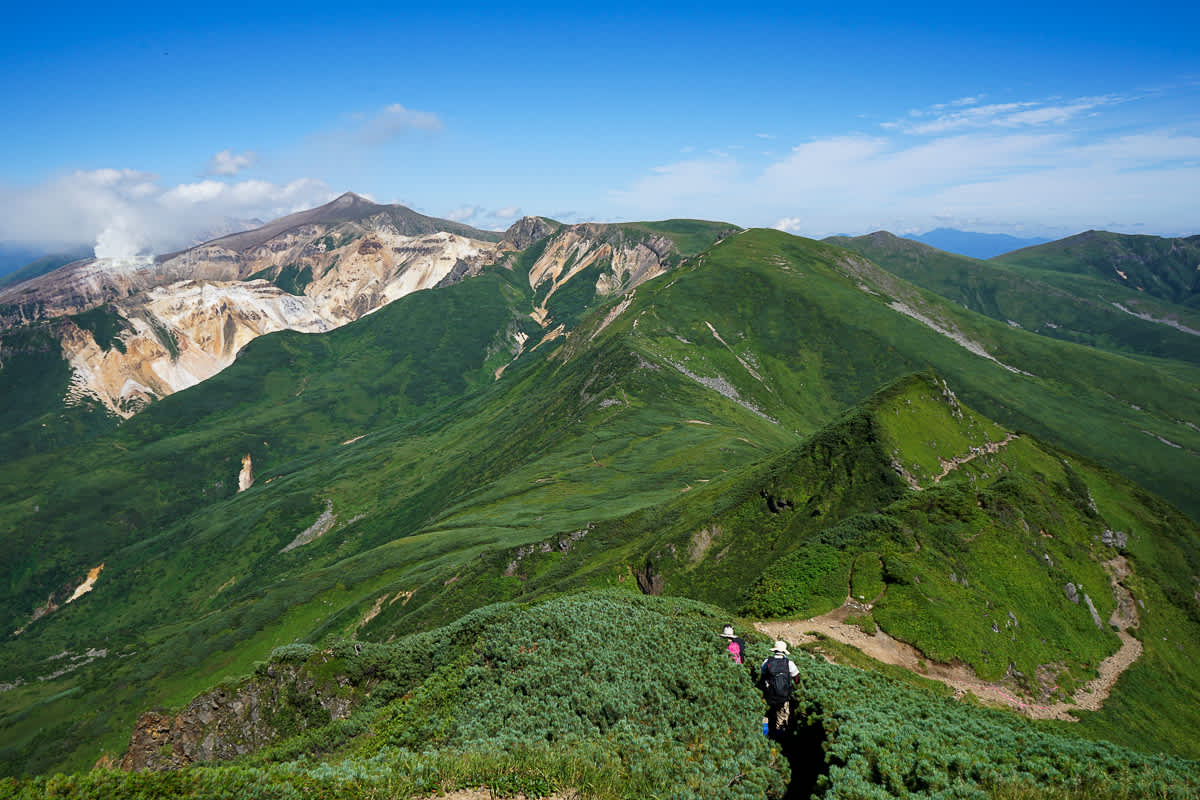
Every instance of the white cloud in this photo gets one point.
(464, 213)
(228, 163)
(1002, 164)
(478, 216)
(671, 185)
(789, 224)
(936, 120)
(127, 212)
(395, 120)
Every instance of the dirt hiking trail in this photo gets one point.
(959, 676)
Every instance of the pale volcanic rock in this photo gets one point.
(205, 324)
(574, 249)
(381, 267)
(246, 476)
(188, 331)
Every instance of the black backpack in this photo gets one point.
(776, 681)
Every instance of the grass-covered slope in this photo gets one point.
(34, 382)
(1075, 307)
(604, 695)
(399, 484)
(821, 329)
(1162, 267)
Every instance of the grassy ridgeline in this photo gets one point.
(618, 695)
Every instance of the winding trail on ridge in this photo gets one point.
(960, 676)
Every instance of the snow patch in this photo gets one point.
(1179, 326)
(741, 360)
(316, 530)
(1167, 442)
(954, 335)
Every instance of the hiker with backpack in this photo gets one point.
(737, 650)
(778, 677)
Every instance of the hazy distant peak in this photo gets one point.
(973, 243)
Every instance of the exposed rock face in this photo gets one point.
(246, 476)
(627, 261)
(525, 232)
(226, 723)
(185, 316)
(178, 336)
(1072, 593)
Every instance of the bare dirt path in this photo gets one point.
(957, 461)
(882, 647)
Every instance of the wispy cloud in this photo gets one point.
(229, 163)
(395, 120)
(487, 219)
(366, 130)
(1007, 164)
(464, 213)
(966, 114)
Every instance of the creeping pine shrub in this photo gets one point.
(296, 653)
(885, 740)
(643, 679)
(810, 580)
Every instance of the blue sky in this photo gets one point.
(137, 125)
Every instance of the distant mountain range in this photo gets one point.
(975, 245)
(15, 256)
(361, 486)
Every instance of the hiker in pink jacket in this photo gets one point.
(737, 650)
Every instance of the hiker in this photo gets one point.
(737, 650)
(777, 678)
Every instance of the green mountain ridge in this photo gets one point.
(1068, 306)
(1161, 267)
(389, 501)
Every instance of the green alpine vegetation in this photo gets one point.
(1026, 291)
(1164, 268)
(768, 429)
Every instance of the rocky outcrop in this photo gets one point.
(526, 231)
(1117, 539)
(229, 722)
(626, 261)
(246, 475)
